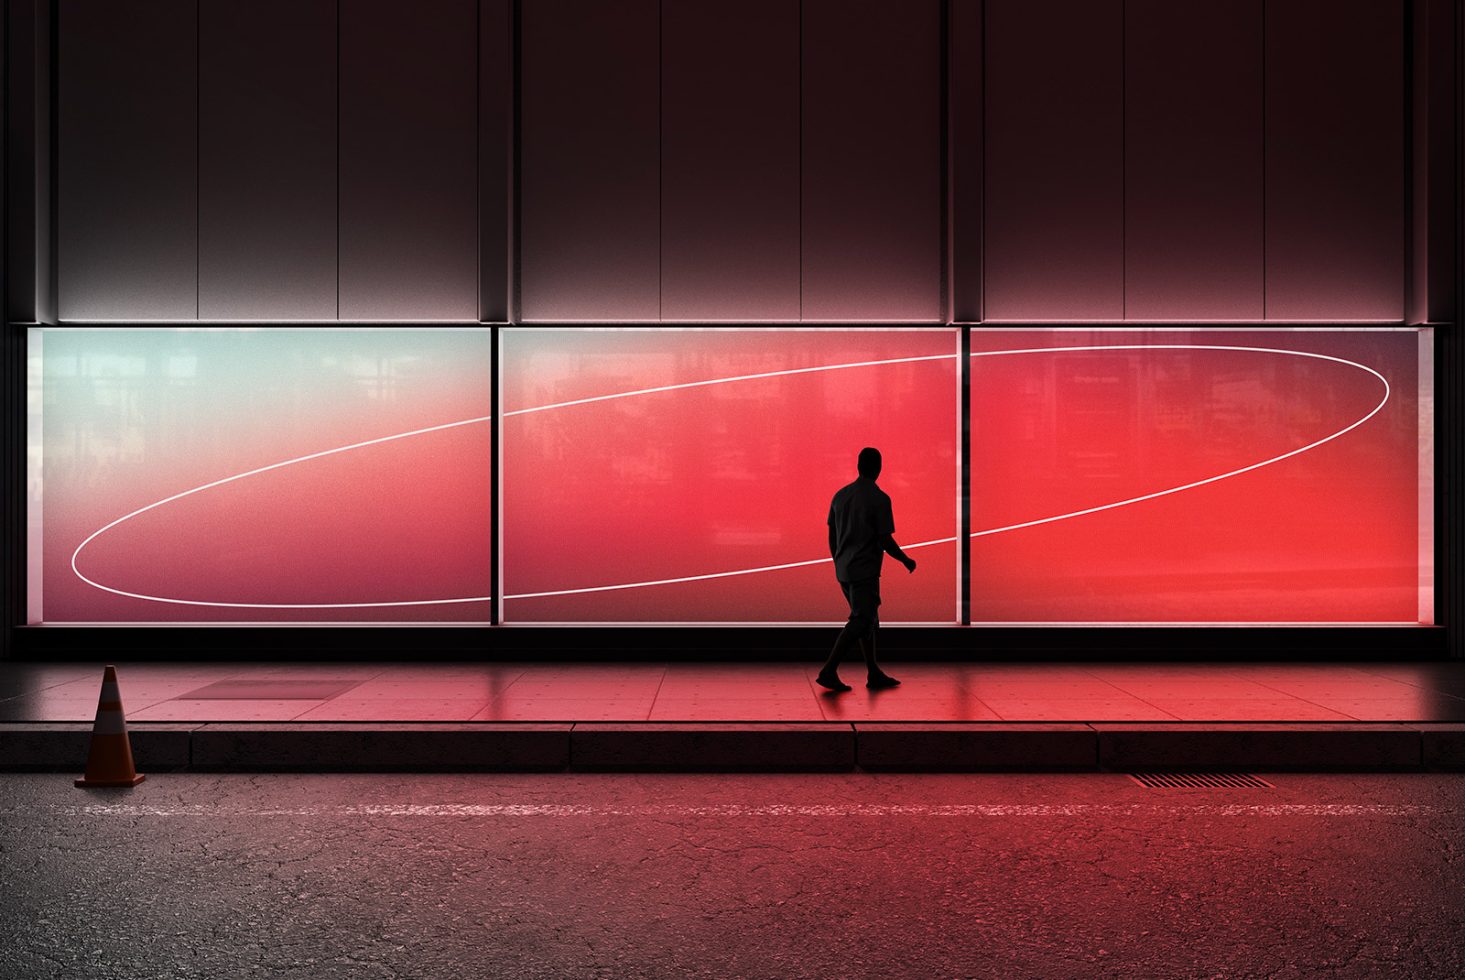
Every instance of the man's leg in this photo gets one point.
(877, 678)
(853, 630)
(867, 641)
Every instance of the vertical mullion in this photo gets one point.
(338, 159)
(197, 158)
(478, 160)
(495, 503)
(964, 450)
(52, 304)
(943, 40)
(1408, 159)
(982, 232)
(516, 110)
(14, 588)
(661, 160)
(495, 108)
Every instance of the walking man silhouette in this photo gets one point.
(861, 526)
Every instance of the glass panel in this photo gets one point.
(264, 475)
(685, 475)
(1190, 476)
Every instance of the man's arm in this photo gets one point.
(893, 550)
(886, 524)
(833, 542)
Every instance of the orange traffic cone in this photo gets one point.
(110, 761)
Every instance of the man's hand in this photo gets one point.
(893, 550)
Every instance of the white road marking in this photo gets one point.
(752, 810)
(717, 381)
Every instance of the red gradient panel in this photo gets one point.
(1334, 159)
(1054, 180)
(1330, 534)
(133, 417)
(714, 479)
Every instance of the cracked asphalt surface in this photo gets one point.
(849, 875)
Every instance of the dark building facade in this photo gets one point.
(356, 327)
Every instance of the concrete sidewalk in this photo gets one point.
(744, 717)
(204, 691)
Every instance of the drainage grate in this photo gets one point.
(1199, 780)
(265, 690)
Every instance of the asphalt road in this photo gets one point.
(849, 875)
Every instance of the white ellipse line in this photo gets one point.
(723, 381)
(417, 432)
(699, 578)
(1045, 520)
(715, 381)
(263, 469)
(1211, 479)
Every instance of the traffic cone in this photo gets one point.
(110, 761)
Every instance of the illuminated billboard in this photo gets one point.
(260, 475)
(685, 475)
(1226, 475)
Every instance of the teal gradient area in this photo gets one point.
(386, 531)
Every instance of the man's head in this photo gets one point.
(869, 463)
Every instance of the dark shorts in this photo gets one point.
(863, 596)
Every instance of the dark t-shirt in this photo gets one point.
(861, 517)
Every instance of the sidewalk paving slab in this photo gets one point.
(977, 746)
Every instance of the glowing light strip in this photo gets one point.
(718, 381)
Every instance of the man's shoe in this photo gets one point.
(878, 681)
(832, 682)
